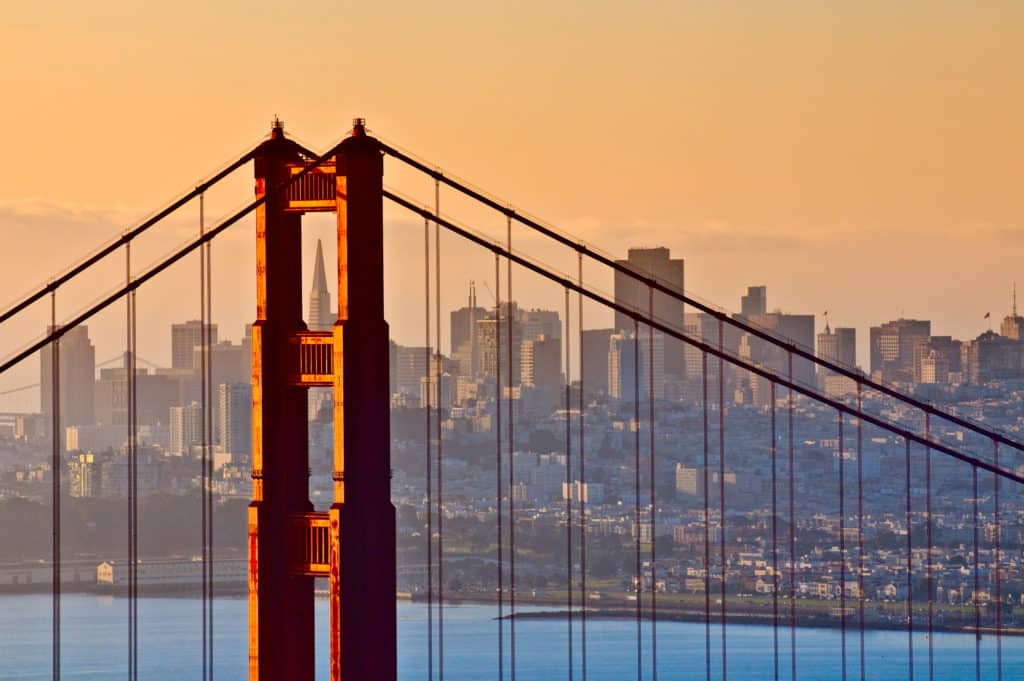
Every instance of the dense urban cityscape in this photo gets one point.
(514, 357)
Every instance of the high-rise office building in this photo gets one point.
(493, 338)
(596, 343)
(1013, 324)
(77, 370)
(465, 348)
(234, 427)
(838, 346)
(541, 362)
(184, 339)
(626, 376)
(186, 426)
(755, 302)
(321, 315)
(893, 346)
(537, 323)
(654, 263)
(410, 364)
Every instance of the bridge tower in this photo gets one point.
(353, 544)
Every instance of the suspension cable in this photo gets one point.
(497, 455)
(842, 545)
(208, 422)
(55, 475)
(653, 506)
(707, 523)
(204, 389)
(788, 346)
(130, 390)
(511, 471)
(910, 573)
(999, 571)
(583, 482)
(792, 524)
(633, 313)
(860, 528)
(977, 580)
(636, 498)
(135, 482)
(928, 534)
(721, 494)
(775, 543)
(440, 437)
(430, 461)
(568, 497)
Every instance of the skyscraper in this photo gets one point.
(186, 428)
(234, 427)
(77, 370)
(1013, 324)
(464, 345)
(755, 302)
(840, 347)
(893, 348)
(596, 343)
(184, 339)
(658, 264)
(321, 315)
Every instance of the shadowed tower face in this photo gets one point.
(321, 315)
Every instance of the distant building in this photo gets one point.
(410, 364)
(493, 337)
(755, 302)
(840, 347)
(938, 360)
(321, 314)
(185, 338)
(893, 346)
(234, 424)
(625, 376)
(76, 369)
(790, 328)
(595, 361)
(541, 362)
(537, 323)
(992, 357)
(186, 428)
(658, 264)
(464, 345)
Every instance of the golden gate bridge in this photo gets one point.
(353, 544)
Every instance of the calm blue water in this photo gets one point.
(95, 635)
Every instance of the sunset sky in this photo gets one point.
(864, 158)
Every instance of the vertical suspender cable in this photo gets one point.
(511, 472)
(775, 544)
(130, 390)
(135, 484)
(208, 418)
(721, 493)
(583, 482)
(707, 524)
(999, 570)
(636, 497)
(792, 525)
(440, 436)
(204, 407)
(55, 475)
(497, 461)
(860, 525)
(977, 581)
(842, 545)
(430, 461)
(910, 574)
(653, 506)
(928, 533)
(568, 497)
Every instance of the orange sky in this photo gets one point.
(864, 159)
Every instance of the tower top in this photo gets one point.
(276, 128)
(359, 127)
